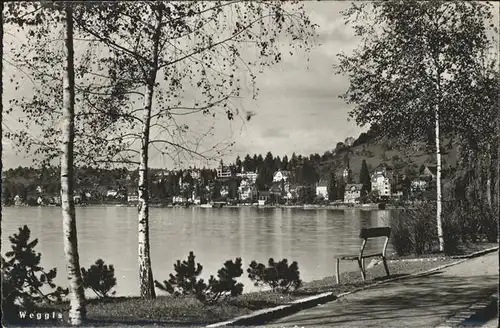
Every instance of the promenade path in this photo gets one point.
(425, 301)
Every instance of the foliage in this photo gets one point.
(24, 281)
(332, 187)
(364, 178)
(306, 195)
(279, 276)
(100, 278)
(413, 232)
(185, 281)
(225, 285)
(425, 62)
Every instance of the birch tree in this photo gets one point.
(51, 110)
(77, 298)
(413, 60)
(188, 58)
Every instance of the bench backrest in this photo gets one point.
(366, 233)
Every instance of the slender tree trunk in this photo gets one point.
(438, 184)
(77, 298)
(1, 96)
(146, 280)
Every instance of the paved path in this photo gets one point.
(417, 302)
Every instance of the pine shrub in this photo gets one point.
(24, 281)
(279, 276)
(100, 278)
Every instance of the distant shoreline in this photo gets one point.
(305, 206)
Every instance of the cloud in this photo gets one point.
(298, 109)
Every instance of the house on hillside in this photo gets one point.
(380, 181)
(250, 176)
(352, 192)
(111, 193)
(322, 189)
(245, 189)
(223, 171)
(39, 189)
(281, 175)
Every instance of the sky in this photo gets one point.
(298, 108)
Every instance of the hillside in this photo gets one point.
(405, 159)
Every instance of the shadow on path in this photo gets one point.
(420, 301)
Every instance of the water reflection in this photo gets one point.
(310, 237)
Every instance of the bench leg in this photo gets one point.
(385, 266)
(337, 273)
(361, 268)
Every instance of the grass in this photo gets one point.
(187, 311)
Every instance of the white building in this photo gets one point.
(179, 199)
(250, 176)
(245, 189)
(352, 193)
(322, 189)
(381, 182)
(132, 198)
(223, 171)
(281, 175)
(111, 193)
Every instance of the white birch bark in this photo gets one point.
(77, 310)
(145, 272)
(438, 184)
(146, 280)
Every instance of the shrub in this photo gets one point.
(23, 279)
(279, 276)
(100, 278)
(185, 280)
(225, 284)
(414, 231)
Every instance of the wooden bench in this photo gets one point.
(365, 234)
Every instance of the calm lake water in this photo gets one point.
(310, 237)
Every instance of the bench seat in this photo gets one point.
(351, 257)
(365, 234)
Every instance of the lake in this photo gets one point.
(310, 237)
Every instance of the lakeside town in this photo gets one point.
(255, 181)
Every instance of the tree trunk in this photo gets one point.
(1, 94)
(146, 280)
(77, 310)
(145, 272)
(438, 184)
